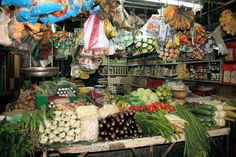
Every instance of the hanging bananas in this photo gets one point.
(228, 22)
(179, 17)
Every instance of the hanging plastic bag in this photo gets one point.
(77, 6)
(219, 41)
(4, 38)
(109, 29)
(45, 7)
(23, 15)
(89, 5)
(26, 3)
(95, 36)
(16, 30)
(67, 12)
(111, 50)
(152, 27)
(122, 17)
(123, 39)
(135, 21)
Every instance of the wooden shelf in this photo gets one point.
(176, 63)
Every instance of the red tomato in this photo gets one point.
(162, 106)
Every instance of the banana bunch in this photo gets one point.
(199, 29)
(179, 17)
(228, 22)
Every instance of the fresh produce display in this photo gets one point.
(51, 88)
(146, 95)
(210, 116)
(228, 22)
(26, 101)
(82, 102)
(160, 106)
(20, 138)
(164, 93)
(178, 122)
(157, 124)
(65, 128)
(228, 110)
(118, 126)
(196, 136)
(179, 17)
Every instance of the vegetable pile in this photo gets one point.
(26, 101)
(154, 124)
(196, 136)
(119, 126)
(164, 93)
(210, 116)
(65, 127)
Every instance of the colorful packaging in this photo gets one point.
(233, 74)
(227, 68)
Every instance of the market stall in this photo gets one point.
(96, 76)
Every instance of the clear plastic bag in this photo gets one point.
(4, 37)
(219, 41)
(95, 36)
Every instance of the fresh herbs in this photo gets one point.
(156, 124)
(196, 136)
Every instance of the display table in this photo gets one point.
(124, 144)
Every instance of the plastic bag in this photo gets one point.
(219, 41)
(23, 15)
(89, 122)
(26, 3)
(16, 30)
(45, 7)
(4, 37)
(123, 39)
(95, 36)
(111, 50)
(122, 17)
(88, 64)
(152, 27)
(108, 29)
(68, 10)
(135, 21)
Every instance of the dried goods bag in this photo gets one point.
(4, 37)
(94, 36)
(16, 30)
(89, 122)
(45, 7)
(219, 41)
(68, 11)
(121, 17)
(26, 3)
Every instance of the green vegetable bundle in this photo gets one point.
(196, 136)
(156, 124)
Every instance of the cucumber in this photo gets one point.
(205, 118)
(203, 112)
(207, 107)
(200, 119)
